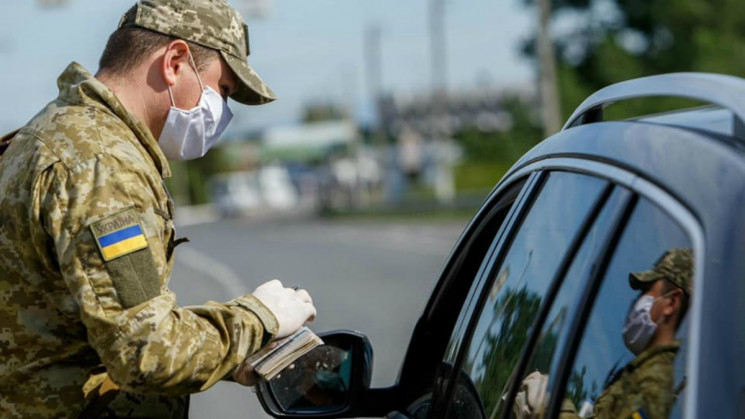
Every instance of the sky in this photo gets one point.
(308, 51)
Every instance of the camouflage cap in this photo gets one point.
(675, 265)
(210, 23)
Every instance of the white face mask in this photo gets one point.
(188, 134)
(640, 328)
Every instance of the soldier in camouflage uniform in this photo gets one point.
(88, 324)
(644, 388)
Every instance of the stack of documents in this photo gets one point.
(271, 360)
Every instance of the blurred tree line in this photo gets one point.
(488, 155)
(615, 40)
(601, 42)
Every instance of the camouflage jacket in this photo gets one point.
(642, 389)
(86, 250)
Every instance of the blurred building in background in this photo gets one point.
(483, 110)
(412, 159)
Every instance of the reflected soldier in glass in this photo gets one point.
(644, 388)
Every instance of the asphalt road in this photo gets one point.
(374, 277)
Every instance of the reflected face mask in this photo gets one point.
(639, 328)
(189, 134)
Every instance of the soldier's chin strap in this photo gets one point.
(100, 397)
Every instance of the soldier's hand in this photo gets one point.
(291, 307)
(530, 401)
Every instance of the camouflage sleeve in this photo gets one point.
(655, 386)
(568, 411)
(99, 216)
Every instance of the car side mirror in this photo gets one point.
(324, 383)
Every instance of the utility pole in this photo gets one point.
(549, 90)
(438, 51)
(373, 70)
(440, 133)
(373, 59)
(438, 44)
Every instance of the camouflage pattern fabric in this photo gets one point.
(643, 387)
(675, 265)
(210, 23)
(80, 300)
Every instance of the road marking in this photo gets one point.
(220, 272)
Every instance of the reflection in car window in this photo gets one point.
(543, 363)
(630, 361)
(471, 256)
(522, 280)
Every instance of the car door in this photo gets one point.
(524, 344)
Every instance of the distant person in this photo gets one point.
(89, 326)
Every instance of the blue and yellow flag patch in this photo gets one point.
(119, 234)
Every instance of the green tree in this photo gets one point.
(488, 155)
(615, 40)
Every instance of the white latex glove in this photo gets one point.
(291, 308)
(530, 401)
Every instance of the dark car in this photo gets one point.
(542, 306)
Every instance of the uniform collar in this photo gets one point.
(646, 355)
(653, 352)
(78, 87)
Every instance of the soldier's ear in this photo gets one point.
(675, 302)
(175, 60)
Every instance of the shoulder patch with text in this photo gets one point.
(119, 234)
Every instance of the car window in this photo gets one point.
(461, 271)
(630, 362)
(543, 362)
(428, 363)
(519, 284)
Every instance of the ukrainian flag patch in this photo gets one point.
(119, 234)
